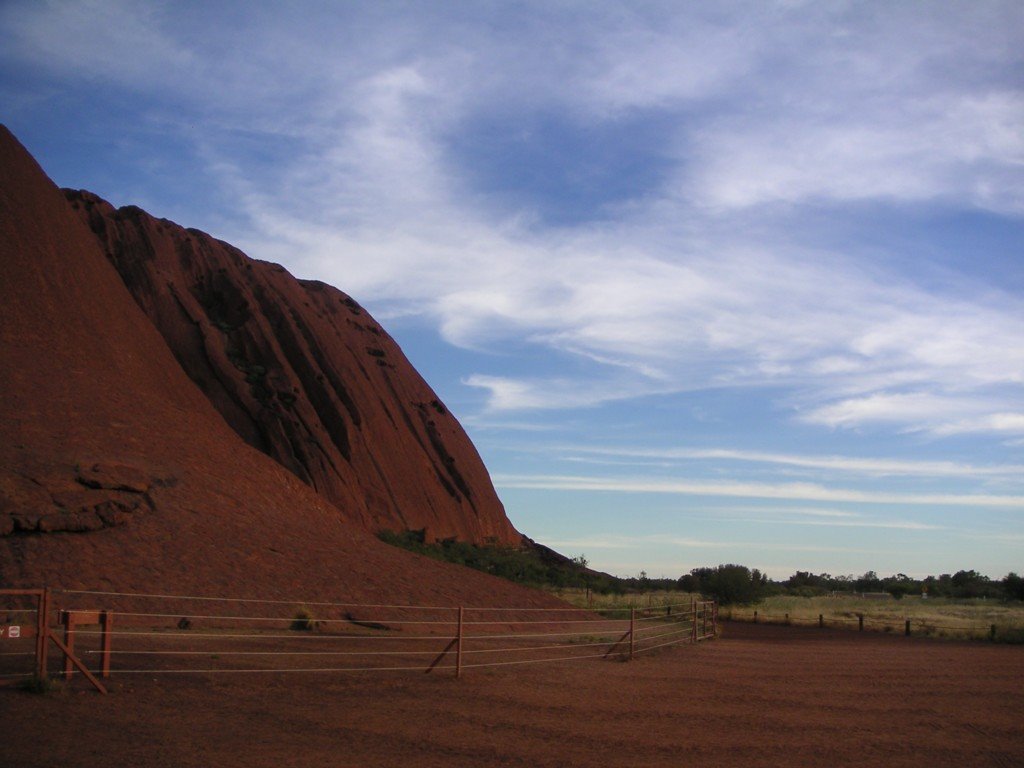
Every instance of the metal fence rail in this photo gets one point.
(118, 633)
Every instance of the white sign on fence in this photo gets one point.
(12, 632)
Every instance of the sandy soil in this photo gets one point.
(758, 696)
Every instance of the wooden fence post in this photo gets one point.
(106, 621)
(67, 619)
(458, 646)
(992, 633)
(42, 633)
(70, 620)
(755, 617)
(632, 632)
(821, 621)
(694, 637)
(906, 629)
(860, 621)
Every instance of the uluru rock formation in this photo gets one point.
(117, 471)
(303, 373)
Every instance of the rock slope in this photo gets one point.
(303, 373)
(116, 471)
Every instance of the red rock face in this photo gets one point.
(117, 472)
(303, 373)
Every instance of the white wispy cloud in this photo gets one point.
(631, 542)
(942, 414)
(794, 491)
(709, 276)
(870, 466)
(900, 525)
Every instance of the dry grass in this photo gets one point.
(933, 617)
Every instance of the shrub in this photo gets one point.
(303, 621)
(43, 686)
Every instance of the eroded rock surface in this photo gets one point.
(118, 473)
(303, 373)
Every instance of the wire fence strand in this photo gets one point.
(159, 634)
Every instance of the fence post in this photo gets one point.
(106, 619)
(714, 619)
(42, 633)
(694, 622)
(821, 621)
(755, 617)
(860, 621)
(458, 646)
(992, 633)
(787, 619)
(69, 640)
(906, 629)
(632, 632)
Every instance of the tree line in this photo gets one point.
(739, 584)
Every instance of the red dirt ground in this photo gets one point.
(758, 696)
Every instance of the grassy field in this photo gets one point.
(932, 617)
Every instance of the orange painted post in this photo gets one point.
(40, 636)
(107, 620)
(714, 620)
(458, 646)
(694, 638)
(77, 662)
(68, 620)
(44, 633)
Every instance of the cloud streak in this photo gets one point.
(792, 491)
(696, 280)
(871, 467)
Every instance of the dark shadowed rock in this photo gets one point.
(303, 373)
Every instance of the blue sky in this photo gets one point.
(705, 282)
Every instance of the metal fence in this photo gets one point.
(105, 634)
(908, 626)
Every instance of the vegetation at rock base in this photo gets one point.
(531, 564)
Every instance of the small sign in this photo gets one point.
(13, 632)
